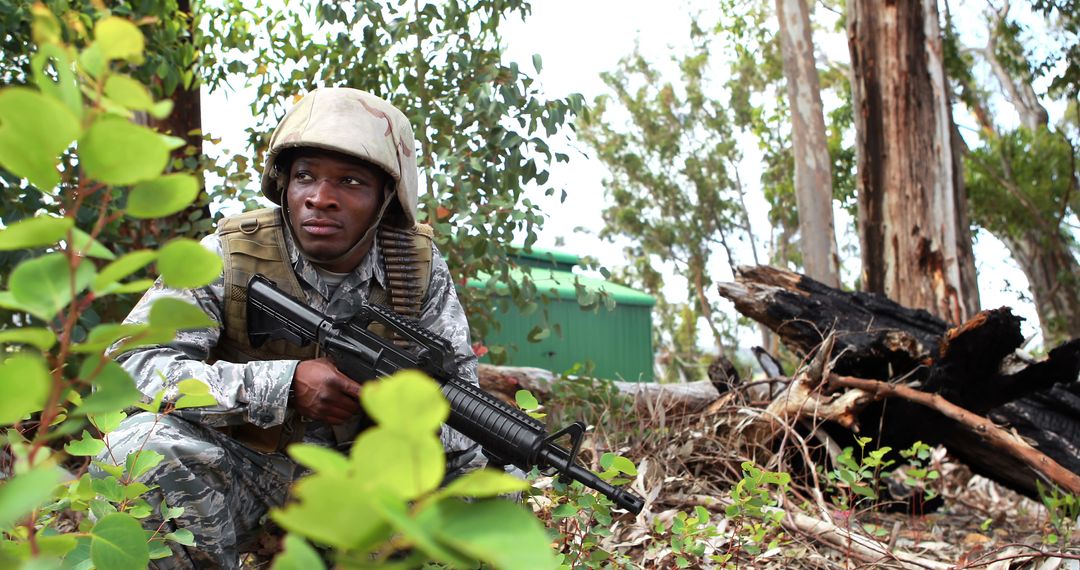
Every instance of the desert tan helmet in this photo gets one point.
(359, 124)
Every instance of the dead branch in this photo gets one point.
(995, 436)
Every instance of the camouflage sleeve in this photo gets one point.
(256, 392)
(442, 314)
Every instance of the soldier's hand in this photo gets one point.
(322, 392)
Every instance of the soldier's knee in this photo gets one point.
(175, 439)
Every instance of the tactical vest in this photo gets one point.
(254, 242)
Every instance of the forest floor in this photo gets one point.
(706, 509)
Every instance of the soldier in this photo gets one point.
(342, 167)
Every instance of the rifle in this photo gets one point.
(508, 436)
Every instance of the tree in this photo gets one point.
(674, 188)
(813, 174)
(1023, 178)
(482, 124)
(913, 233)
(756, 80)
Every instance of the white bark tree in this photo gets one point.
(911, 222)
(813, 172)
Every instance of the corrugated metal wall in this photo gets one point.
(618, 342)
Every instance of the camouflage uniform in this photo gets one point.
(225, 487)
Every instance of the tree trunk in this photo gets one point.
(1052, 272)
(813, 175)
(908, 219)
(969, 281)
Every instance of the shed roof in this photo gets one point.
(561, 283)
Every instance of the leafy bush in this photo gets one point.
(381, 504)
(60, 395)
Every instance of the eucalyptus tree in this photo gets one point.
(915, 239)
(813, 172)
(673, 186)
(1022, 173)
(756, 78)
(481, 122)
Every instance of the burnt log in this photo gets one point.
(975, 366)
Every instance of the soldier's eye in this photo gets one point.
(303, 176)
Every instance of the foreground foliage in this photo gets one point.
(61, 396)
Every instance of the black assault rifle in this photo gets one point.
(507, 435)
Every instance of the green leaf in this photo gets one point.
(103, 336)
(24, 386)
(538, 333)
(484, 483)
(108, 422)
(118, 38)
(154, 406)
(114, 388)
(318, 458)
(538, 63)
(420, 533)
(298, 555)
(51, 61)
(404, 463)
(139, 462)
(162, 196)
(159, 549)
(128, 92)
(40, 338)
(194, 394)
(92, 61)
(408, 401)
(34, 130)
(169, 513)
(618, 463)
(109, 488)
(79, 557)
(117, 471)
(118, 543)
(88, 246)
(34, 232)
(564, 511)
(517, 542)
(23, 493)
(326, 512)
(88, 446)
(526, 400)
(43, 285)
(172, 313)
(161, 109)
(55, 545)
(45, 28)
(185, 264)
(181, 536)
(116, 151)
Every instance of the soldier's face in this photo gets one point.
(333, 199)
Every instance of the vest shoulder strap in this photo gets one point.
(253, 242)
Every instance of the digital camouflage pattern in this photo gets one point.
(227, 488)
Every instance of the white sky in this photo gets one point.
(578, 40)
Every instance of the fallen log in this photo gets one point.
(505, 381)
(974, 367)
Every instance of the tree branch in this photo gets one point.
(997, 437)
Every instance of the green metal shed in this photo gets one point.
(618, 342)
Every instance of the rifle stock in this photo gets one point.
(505, 433)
